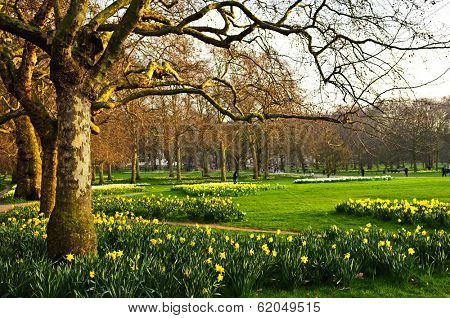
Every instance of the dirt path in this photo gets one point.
(227, 227)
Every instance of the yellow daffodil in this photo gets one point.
(70, 257)
(218, 268)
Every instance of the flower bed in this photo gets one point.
(213, 209)
(225, 189)
(417, 211)
(115, 189)
(142, 258)
(342, 179)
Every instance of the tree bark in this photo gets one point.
(223, 160)
(109, 172)
(170, 165)
(49, 166)
(71, 227)
(178, 151)
(134, 164)
(93, 177)
(138, 169)
(287, 166)
(205, 164)
(29, 166)
(266, 155)
(169, 156)
(101, 179)
(254, 156)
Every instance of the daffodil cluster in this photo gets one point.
(140, 257)
(115, 189)
(430, 212)
(225, 189)
(214, 209)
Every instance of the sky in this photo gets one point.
(422, 67)
(430, 67)
(427, 66)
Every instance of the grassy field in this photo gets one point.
(301, 206)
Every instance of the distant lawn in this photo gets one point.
(302, 206)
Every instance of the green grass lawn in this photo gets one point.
(423, 286)
(302, 206)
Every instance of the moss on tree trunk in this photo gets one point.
(49, 166)
(71, 227)
(29, 169)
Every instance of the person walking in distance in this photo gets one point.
(235, 177)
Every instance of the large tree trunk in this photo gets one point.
(29, 168)
(49, 166)
(71, 227)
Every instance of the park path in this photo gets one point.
(226, 227)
